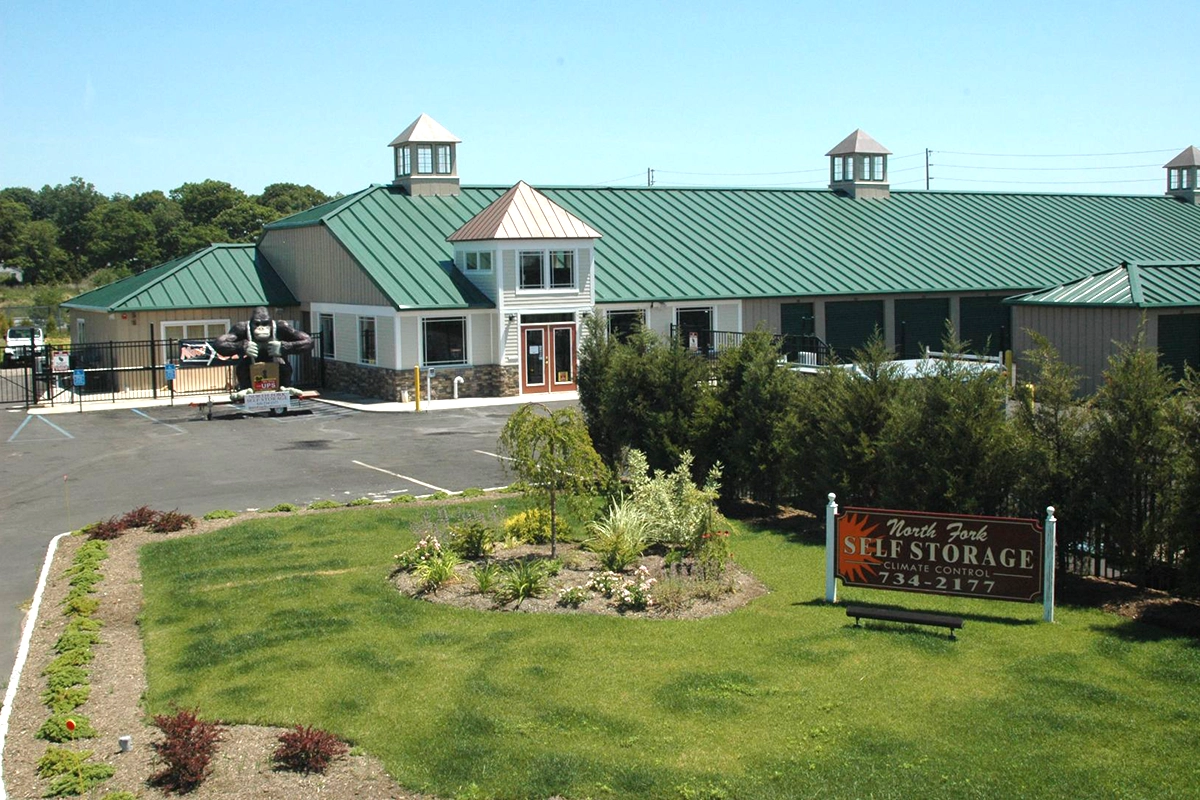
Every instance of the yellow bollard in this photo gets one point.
(417, 385)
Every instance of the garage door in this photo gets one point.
(920, 324)
(984, 323)
(849, 325)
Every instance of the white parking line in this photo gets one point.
(493, 455)
(157, 421)
(404, 477)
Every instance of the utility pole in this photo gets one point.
(649, 177)
(927, 169)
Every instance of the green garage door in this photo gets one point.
(849, 324)
(920, 324)
(1179, 342)
(796, 325)
(984, 324)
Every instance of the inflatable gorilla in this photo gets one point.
(262, 340)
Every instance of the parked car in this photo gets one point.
(20, 342)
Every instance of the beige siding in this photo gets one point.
(482, 348)
(385, 341)
(510, 343)
(142, 325)
(762, 311)
(1084, 337)
(410, 341)
(484, 281)
(314, 265)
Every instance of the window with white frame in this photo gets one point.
(424, 159)
(444, 340)
(622, 324)
(479, 262)
(197, 330)
(325, 326)
(541, 269)
(403, 161)
(444, 167)
(80, 330)
(366, 340)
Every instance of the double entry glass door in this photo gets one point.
(548, 358)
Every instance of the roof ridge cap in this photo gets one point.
(1135, 281)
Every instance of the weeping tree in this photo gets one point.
(552, 454)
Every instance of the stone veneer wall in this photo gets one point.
(489, 380)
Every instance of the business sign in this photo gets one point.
(200, 353)
(261, 401)
(60, 361)
(996, 558)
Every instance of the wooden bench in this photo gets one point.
(899, 615)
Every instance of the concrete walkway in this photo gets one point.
(331, 398)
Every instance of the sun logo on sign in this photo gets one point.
(856, 566)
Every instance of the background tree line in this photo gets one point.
(66, 232)
(1122, 467)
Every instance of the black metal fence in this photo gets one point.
(145, 370)
(799, 350)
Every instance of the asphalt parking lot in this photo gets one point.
(62, 471)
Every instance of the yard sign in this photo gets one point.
(993, 558)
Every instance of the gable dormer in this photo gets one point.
(425, 159)
(858, 167)
(1181, 175)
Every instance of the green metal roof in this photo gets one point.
(1151, 285)
(219, 276)
(707, 244)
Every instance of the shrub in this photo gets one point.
(711, 590)
(714, 555)
(437, 496)
(435, 572)
(672, 596)
(361, 501)
(139, 517)
(69, 773)
(104, 530)
(473, 491)
(486, 576)
(620, 537)
(62, 701)
(531, 526)
(75, 639)
(471, 538)
(61, 676)
(522, 579)
(119, 796)
(307, 749)
(55, 728)
(403, 498)
(572, 596)
(186, 750)
(282, 508)
(321, 505)
(171, 521)
(220, 513)
(678, 512)
(81, 605)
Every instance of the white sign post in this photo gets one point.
(1048, 581)
(830, 549)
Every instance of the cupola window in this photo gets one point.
(443, 159)
(424, 159)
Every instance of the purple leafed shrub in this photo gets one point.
(186, 751)
(171, 521)
(139, 517)
(308, 749)
(105, 529)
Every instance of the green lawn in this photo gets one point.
(291, 620)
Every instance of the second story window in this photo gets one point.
(444, 167)
(403, 161)
(547, 269)
(425, 159)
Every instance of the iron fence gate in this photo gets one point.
(16, 382)
(145, 370)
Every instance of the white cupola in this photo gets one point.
(426, 160)
(858, 167)
(1181, 175)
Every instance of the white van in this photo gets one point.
(20, 341)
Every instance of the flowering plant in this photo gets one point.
(572, 596)
(424, 550)
(606, 583)
(634, 594)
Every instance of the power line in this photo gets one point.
(1049, 169)
(1046, 183)
(1057, 155)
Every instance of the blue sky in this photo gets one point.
(134, 96)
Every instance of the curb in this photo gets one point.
(10, 694)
